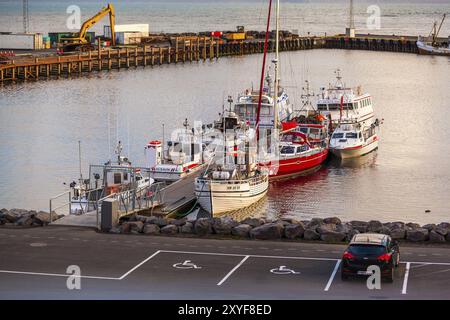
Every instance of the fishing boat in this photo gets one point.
(430, 45)
(118, 176)
(341, 104)
(186, 154)
(237, 182)
(350, 140)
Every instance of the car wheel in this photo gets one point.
(390, 276)
(397, 261)
(344, 276)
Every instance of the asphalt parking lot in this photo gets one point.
(34, 265)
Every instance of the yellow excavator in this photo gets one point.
(79, 41)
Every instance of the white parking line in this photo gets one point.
(330, 281)
(57, 275)
(405, 280)
(138, 265)
(233, 270)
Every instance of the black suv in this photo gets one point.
(368, 249)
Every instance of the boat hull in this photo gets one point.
(430, 50)
(297, 166)
(346, 153)
(218, 197)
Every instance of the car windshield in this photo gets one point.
(366, 249)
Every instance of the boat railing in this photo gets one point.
(251, 180)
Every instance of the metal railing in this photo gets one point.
(65, 204)
(134, 199)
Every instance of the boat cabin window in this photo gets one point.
(265, 110)
(287, 150)
(117, 178)
(322, 106)
(304, 130)
(302, 148)
(351, 135)
(338, 135)
(246, 110)
(125, 176)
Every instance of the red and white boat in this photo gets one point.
(303, 147)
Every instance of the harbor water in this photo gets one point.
(41, 123)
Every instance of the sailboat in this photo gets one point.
(431, 46)
(238, 181)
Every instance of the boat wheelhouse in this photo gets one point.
(246, 106)
(343, 105)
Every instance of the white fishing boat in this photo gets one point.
(186, 154)
(430, 45)
(237, 182)
(356, 139)
(118, 175)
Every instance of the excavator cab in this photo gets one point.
(79, 42)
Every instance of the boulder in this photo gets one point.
(333, 220)
(253, 222)
(293, 231)
(223, 225)
(150, 228)
(25, 221)
(136, 226)
(315, 222)
(444, 225)
(350, 234)
(292, 220)
(344, 228)
(267, 231)
(161, 222)
(115, 230)
(385, 230)
(413, 225)
(429, 227)
(418, 234)
(188, 227)
(361, 226)
(139, 218)
(283, 222)
(333, 236)
(125, 227)
(398, 234)
(447, 237)
(203, 226)
(178, 222)
(374, 226)
(169, 229)
(311, 234)
(329, 227)
(11, 216)
(241, 230)
(395, 225)
(44, 217)
(151, 219)
(436, 237)
(441, 231)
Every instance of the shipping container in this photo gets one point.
(21, 41)
(143, 29)
(55, 37)
(128, 38)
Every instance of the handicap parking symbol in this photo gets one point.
(186, 265)
(283, 270)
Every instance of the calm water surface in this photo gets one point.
(40, 124)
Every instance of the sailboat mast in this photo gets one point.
(79, 160)
(277, 55)
(261, 84)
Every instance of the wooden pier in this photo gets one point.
(182, 50)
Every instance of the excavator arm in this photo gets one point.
(81, 36)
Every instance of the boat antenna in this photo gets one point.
(79, 160)
(230, 101)
(275, 62)
(261, 83)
